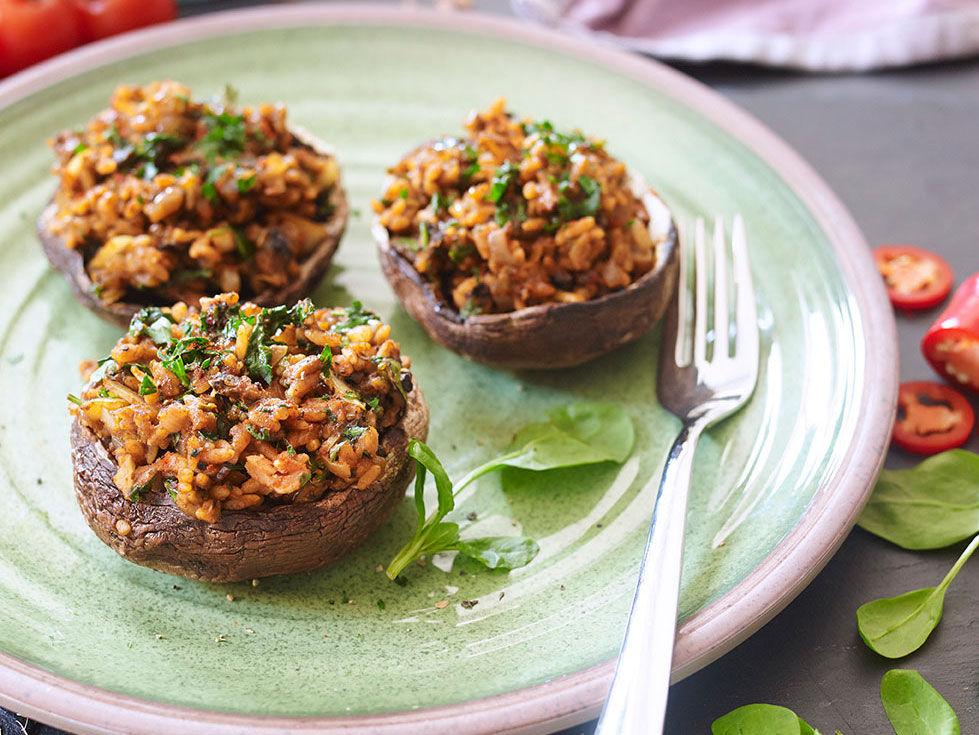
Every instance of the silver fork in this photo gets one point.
(701, 391)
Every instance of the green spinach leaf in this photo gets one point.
(760, 719)
(897, 626)
(930, 506)
(581, 434)
(500, 552)
(914, 707)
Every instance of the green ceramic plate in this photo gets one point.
(96, 644)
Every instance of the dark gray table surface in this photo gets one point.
(900, 149)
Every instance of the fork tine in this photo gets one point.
(721, 325)
(681, 342)
(700, 297)
(746, 316)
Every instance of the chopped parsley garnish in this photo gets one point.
(326, 357)
(352, 433)
(146, 386)
(502, 178)
(459, 251)
(152, 322)
(547, 133)
(374, 404)
(190, 274)
(569, 209)
(262, 434)
(245, 185)
(225, 135)
(268, 323)
(79, 148)
(470, 309)
(245, 247)
(440, 202)
(189, 352)
(355, 316)
(208, 189)
(138, 490)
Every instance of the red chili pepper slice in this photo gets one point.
(915, 278)
(951, 343)
(945, 421)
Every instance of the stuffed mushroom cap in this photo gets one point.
(239, 442)
(162, 199)
(523, 246)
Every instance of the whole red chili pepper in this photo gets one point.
(951, 343)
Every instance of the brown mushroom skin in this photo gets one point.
(243, 544)
(544, 336)
(71, 264)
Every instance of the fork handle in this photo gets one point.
(636, 703)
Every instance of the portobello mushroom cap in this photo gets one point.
(545, 336)
(242, 544)
(72, 264)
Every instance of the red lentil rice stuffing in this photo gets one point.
(516, 214)
(238, 406)
(161, 193)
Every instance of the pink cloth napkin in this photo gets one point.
(825, 35)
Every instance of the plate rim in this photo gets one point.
(702, 638)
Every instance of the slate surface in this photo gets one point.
(901, 150)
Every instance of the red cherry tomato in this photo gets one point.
(931, 418)
(104, 18)
(33, 30)
(915, 278)
(951, 344)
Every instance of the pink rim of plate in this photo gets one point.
(577, 697)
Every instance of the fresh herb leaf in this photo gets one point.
(190, 274)
(551, 137)
(502, 178)
(933, 505)
(78, 149)
(760, 719)
(500, 552)
(245, 247)
(897, 626)
(326, 357)
(352, 433)
(138, 490)
(262, 434)
(582, 433)
(914, 707)
(268, 323)
(245, 185)
(470, 308)
(574, 435)
(224, 136)
(146, 386)
(440, 202)
(152, 322)
(588, 206)
(355, 316)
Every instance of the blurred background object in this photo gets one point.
(34, 30)
(818, 35)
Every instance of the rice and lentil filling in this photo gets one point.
(516, 214)
(164, 193)
(237, 406)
